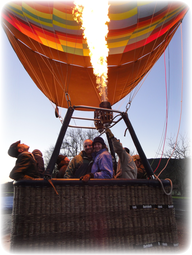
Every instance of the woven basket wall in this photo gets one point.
(109, 216)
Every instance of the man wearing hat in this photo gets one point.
(126, 167)
(26, 165)
(141, 172)
(62, 163)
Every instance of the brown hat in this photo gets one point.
(60, 158)
(13, 150)
(37, 152)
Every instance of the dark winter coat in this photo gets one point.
(126, 167)
(62, 168)
(40, 162)
(79, 166)
(25, 167)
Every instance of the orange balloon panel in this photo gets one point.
(50, 45)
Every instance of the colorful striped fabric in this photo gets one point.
(136, 29)
(55, 27)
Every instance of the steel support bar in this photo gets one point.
(112, 152)
(58, 144)
(144, 160)
(95, 108)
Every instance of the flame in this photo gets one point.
(94, 19)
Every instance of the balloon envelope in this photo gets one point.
(50, 45)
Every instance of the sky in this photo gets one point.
(27, 115)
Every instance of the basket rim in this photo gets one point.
(92, 182)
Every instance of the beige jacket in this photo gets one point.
(126, 167)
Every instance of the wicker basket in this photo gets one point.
(103, 214)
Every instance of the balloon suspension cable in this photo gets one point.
(68, 99)
(166, 90)
(128, 106)
(57, 115)
(125, 131)
(181, 105)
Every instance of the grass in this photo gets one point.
(6, 193)
(179, 197)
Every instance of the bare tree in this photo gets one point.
(47, 155)
(182, 164)
(72, 143)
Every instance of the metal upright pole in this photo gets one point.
(112, 152)
(60, 138)
(138, 146)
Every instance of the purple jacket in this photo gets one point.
(102, 167)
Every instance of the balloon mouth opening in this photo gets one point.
(103, 118)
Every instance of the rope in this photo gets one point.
(166, 115)
(171, 189)
(49, 180)
(162, 136)
(181, 103)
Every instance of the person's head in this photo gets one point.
(62, 160)
(67, 160)
(137, 160)
(37, 152)
(98, 144)
(87, 146)
(16, 148)
(127, 150)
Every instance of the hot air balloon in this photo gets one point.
(50, 44)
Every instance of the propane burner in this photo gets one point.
(103, 118)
